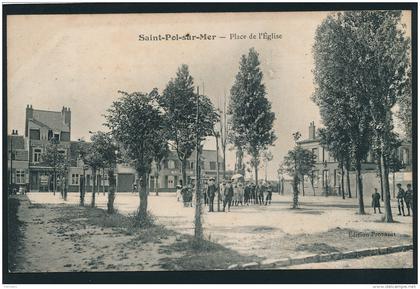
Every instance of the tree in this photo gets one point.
(251, 117)
(224, 134)
(135, 121)
(106, 152)
(298, 162)
(339, 76)
(53, 157)
(82, 151)
(179, 104)
(94, 160)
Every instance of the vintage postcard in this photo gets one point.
(207, 141)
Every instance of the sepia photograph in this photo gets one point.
(278, 141)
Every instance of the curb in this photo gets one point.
(317, 258)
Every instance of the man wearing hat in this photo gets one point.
(211, 192)
(400, 200)
(228, 195)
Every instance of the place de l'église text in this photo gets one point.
(206, 36)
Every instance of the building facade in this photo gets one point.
(28, 169)
(327, 173)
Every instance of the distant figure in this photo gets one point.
(261, 192)
(134, 188)
(206, 197)
(228, 196)
(211, 192)
(240, 194)
(178, 192)
(269, 195)
(400, 200)
(408, 199)
(186, 193)
(376, 198)
(235, 194)
(247, 194)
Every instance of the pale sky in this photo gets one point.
(81, 61)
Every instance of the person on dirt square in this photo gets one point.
(211, 192)
(400, 200)
(269, 194)
(228, 196)
(376, 201)
(408, 199)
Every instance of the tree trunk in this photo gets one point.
(198, 224)
(217, 174)
(295, 192)
(66, 182)
(348, 183)
(303, 185)
(256, 174)
(381, 176)
(157, 182)
(342, 182)
(82, 190)
(142, 213)
(102, 180)
(360, 187)
(387, 202)
(93, 188)
(224, 163)
(111, 191)
(54, 181)
(184, 171)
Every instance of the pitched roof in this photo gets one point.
(53, 119)
(18, 142)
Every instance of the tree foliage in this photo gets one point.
(251, 116)
(179, 102)
(135, 121)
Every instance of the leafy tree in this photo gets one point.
(106, 151)
(82, 150)
(251, 117)
(298, 163)
(54, 158)
(179, 104)
(94, 160)
(136, 121)
(339, 78)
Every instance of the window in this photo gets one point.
(37, 155)
(192, 165)
(165, 164)
(75, 179)
(34, 134)
(20, 176)
(171, 164)
(202, 165)
(57, 136)
(315, 178)
(212, 165)
(323, 155)
(315, 153)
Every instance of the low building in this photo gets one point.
(327, 173)
(17, 164)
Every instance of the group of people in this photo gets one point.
(403, 197)
(231, 193)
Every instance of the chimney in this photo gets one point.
(29, 115)
(312, 130)
(66, 114)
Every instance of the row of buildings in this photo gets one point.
(27, 169)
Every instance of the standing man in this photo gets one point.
(228, 195)
(408, 199)
(376, 198)
(400, 200)
(269, 194)
(247, 193)
(211, 192)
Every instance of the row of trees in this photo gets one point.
(362, 71)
